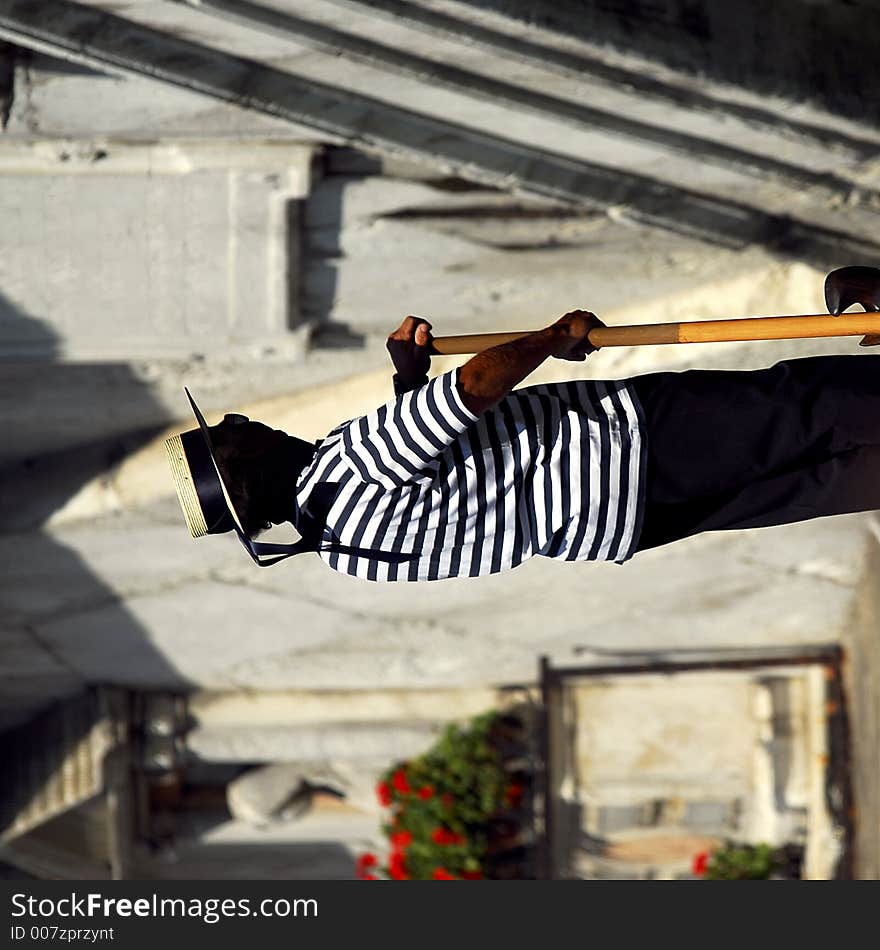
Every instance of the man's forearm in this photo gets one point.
(489, 376)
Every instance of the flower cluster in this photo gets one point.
(440, 807)
(738, 862)
(365, 865)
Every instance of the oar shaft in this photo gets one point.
(809, 326)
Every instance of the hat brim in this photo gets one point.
(207, 436)
(184, 482)
(197, 488)
(184, 485)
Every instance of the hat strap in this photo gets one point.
(311, 525)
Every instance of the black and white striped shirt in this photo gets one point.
(554, 470)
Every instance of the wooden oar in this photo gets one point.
(809, 326)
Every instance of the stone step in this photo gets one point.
(54, 762)
(674, 169)
(571, 92)
(222, 709)
(352, 741)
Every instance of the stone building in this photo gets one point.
(246, 199)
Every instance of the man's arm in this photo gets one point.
(489, 376)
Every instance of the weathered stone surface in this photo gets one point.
(211, 619)
(197, 248)
(316, 745)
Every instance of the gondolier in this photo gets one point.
(473, 478)
(464, 475)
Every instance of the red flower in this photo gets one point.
(513, 795)
(363, 862)
(401, 840)
(399, 781)
(445, 836)
(383, 793)
(701, 863)
(369, 877)
(472, 875)
(397, 866)
(441, 874)
(426, 792)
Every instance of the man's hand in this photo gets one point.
(571, 335)
(409, 347)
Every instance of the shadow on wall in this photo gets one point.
(58, 615)
(322, 252)
(63, 423)
(12, 56)
(805, 50)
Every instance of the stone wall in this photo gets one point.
(162, 249)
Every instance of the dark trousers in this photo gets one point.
(747, 449)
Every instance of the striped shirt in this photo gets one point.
(554, 470)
